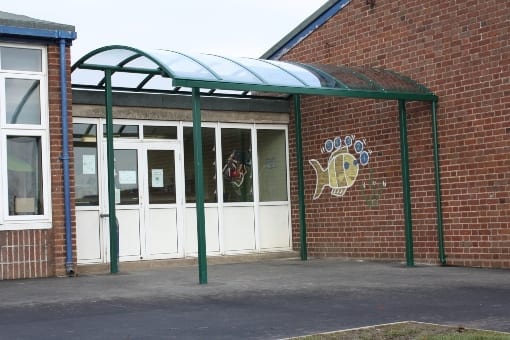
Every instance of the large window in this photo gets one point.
(237, 168)
(24, 175)
(272, 161)
(85, 164)
(24, 154)
(209, 164)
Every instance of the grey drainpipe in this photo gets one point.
(65, 160)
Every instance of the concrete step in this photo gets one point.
(101, 268)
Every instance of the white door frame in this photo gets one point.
(123, 144)
(142, 147)
(167, 145)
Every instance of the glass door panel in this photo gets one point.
(126, 177)
(89, 237)
(161, 211)
(161, 172)
(127, 199)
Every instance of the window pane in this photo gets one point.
(237, 167)
(23, 103)
(160, 132)
(126, 177)
(123, 131)
(272, 163)
(161, 172)
(21, 59)
(209, 162)
(85, 164)
(24, 175)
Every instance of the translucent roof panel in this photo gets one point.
(182, 66)
(226, 69)
(391, 81)
(158, 82)
(271, 73)
(127, 80)
(301, 73)
(113, 56)
(172, 71)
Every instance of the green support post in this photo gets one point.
(199, 185)
(112, 217)
(301, 181)
(406, 183)
(439, 212)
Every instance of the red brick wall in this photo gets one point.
(24, 254)
(461, 51)
(41, 253)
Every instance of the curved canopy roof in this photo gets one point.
(167, 71)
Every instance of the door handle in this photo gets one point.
(104, 215)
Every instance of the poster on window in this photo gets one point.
(127, 177)
(157, 178)
(89, 164)
(117, 196)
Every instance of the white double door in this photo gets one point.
(147, 196)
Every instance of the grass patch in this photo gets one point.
(409, 331)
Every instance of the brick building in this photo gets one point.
(34, 96)
(459, 50)
(452, 209)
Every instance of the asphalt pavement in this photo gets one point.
(269, 299)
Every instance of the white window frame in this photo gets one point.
(21, 222)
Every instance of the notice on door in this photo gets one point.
(157, 178)
(127, 177)
(89, 164)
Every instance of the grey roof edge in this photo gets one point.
(304, 29)
(23, 21)
(176, 101)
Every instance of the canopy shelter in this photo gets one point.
(123, 68)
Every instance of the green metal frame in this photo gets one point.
(335, 92)
(112, 216)
(199, 185)
(301, 180)
(406, 183)
(437, 176)
(162, 69)
(296, 91)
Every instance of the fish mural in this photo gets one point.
(343, 167)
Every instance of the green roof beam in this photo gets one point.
(338, 92)
(98, 67)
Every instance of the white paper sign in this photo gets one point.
(89, 164)
(127, 177)
(117, 196)
(157, 178)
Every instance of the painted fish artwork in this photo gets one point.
(343, 166)
(236, 167)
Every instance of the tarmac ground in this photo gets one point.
(268, 299)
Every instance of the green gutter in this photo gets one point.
(301, 181)
(406, 183)
(439, 213)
